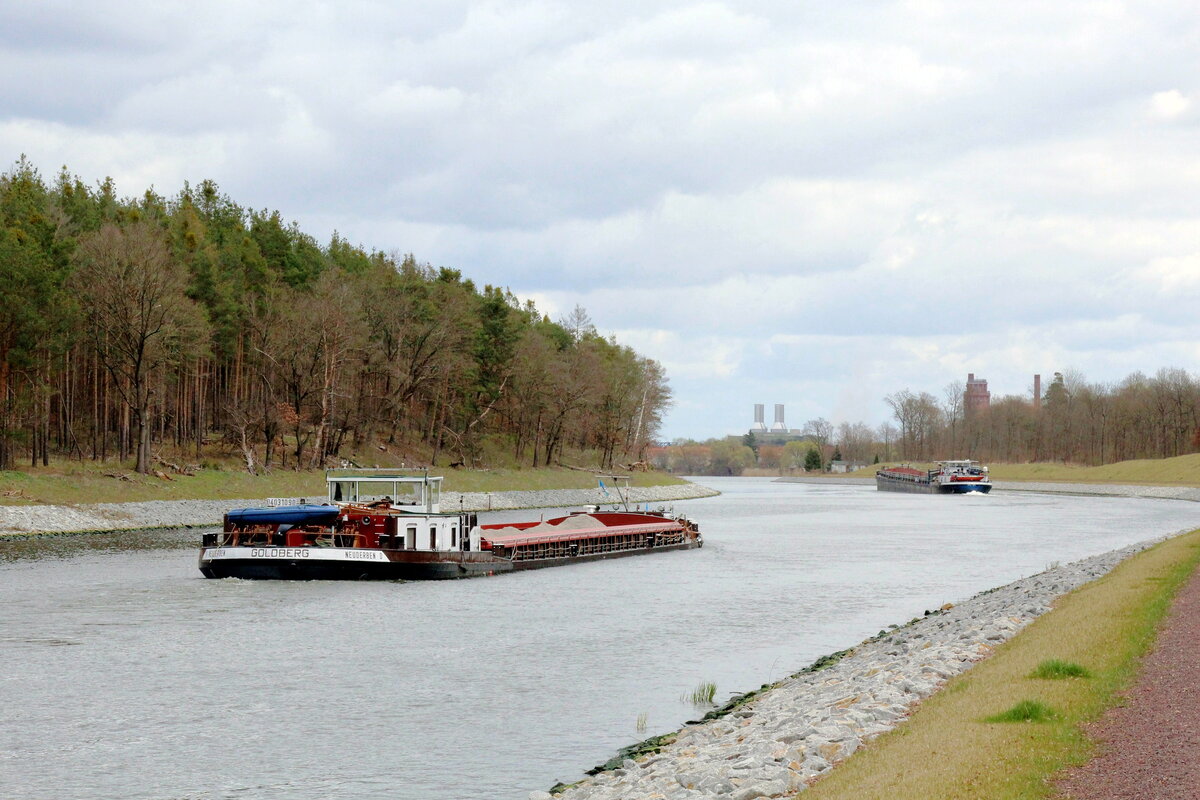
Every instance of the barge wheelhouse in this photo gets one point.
(391, 526)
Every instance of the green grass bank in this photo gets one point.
(77, 483)
(1065, 669)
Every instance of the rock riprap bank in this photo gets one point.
(787, 735)
(25, 520)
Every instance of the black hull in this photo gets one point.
(968, 488)
(406, 566)
(254, 569)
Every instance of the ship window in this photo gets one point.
(370, 491)
(406, 494)
(432, 537)
(410, 538)
(342, 491)
(453, 536)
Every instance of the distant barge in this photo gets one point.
(391, 527)
(949, 477)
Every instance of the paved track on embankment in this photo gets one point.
(1150, 745)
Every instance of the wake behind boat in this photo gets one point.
(948, 477)
(391, 527)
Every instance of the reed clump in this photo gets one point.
(1056, 669)
(702, 695)
(1025, 711)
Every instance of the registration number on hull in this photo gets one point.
(293, 554)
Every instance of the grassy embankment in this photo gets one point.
(1177, 471)
(948, 749)
(74, 483)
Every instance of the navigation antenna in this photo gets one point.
(617, 481)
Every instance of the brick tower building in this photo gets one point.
(978, 398)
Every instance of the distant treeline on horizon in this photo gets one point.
(133, 324)
(1076, 422)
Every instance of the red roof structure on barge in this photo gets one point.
(904, 471)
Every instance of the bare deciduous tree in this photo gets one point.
(820, 431)
(140, 319)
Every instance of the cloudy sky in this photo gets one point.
(813, 204)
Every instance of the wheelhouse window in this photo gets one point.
(371, 491)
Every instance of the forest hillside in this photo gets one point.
(137, 326)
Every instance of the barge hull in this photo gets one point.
(404, 566)
(538, 563)
(966, 488)
(904, 486)
(280, 570)
(929, 488)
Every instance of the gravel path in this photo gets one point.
(21, 521)
(1150, 746)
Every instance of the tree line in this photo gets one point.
(1076, 421)
(133, 324)
(819, 443)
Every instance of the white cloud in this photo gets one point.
(687, 358)
(1170, 104)
(1172, 275)
(827, 204)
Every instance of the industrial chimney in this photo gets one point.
(759, 416)
(779, 427)
(1037, 392)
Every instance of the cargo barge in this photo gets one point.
(391, 527)
(948, 477)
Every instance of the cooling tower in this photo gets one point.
(779, 427)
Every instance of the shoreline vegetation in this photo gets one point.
(74, 483)
(1175, 471)
(1072, 422)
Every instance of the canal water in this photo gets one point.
(124, 673)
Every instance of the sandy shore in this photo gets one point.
(21, 521)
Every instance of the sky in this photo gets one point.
(812, 204)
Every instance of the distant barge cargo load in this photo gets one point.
(391, 527)
(948, 477)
